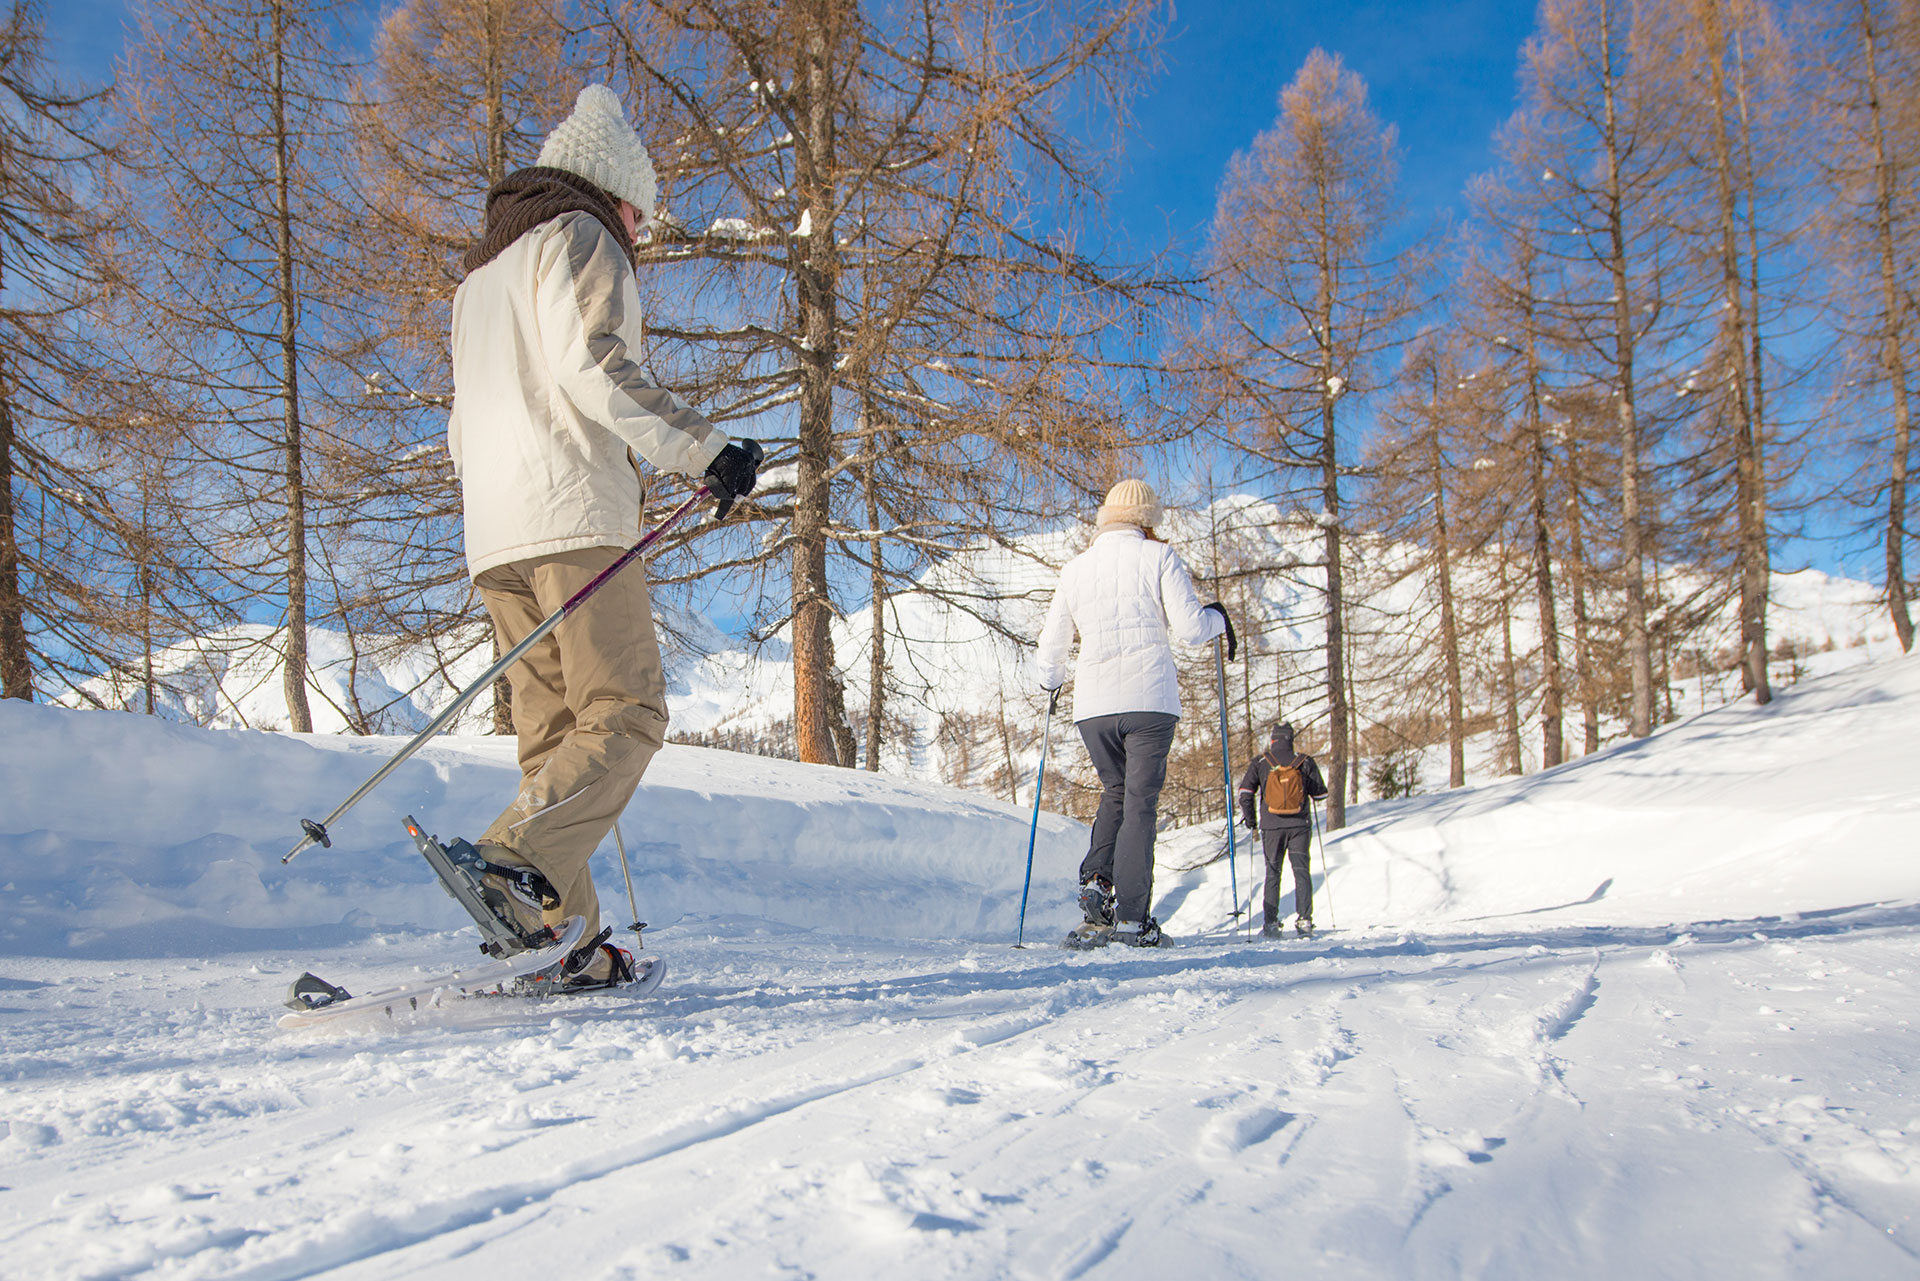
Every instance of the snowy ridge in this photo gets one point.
(134, 836)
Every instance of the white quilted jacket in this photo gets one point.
(1128, 598)
(549, 397)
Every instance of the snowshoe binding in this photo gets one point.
(1139, 933)
(1303, 927)
(1096, 902)
(311, 992)
(597, 966)
(506, 902)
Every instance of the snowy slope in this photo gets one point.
(1812, 802)
(1489, 1070)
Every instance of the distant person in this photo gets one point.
(1128, 597)
(550, 408)
(1276, 796)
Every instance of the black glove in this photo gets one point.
(731, 474)
(1247, 819)
(1233, 644)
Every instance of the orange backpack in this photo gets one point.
(1286, 788)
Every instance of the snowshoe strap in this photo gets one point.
(533, 886)
(622, 964)
(582, 956)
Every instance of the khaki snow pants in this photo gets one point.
(590, 710)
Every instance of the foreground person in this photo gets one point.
(550, 407)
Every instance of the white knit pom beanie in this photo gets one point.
(1131, 502)
(596, 143)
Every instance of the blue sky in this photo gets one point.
(1443, 72)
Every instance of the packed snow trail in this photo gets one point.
(1731, 1100)
(1594, 1041)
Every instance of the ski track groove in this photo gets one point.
(375, 1235)
(1105, 1030)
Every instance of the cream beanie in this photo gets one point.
(1131, 502)
(596, 143)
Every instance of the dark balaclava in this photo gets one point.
(1281, 739)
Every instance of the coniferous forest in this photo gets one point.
(1528, 463)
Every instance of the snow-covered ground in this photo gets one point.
(1649, 1014)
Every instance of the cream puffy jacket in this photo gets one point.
(548, 399)
(1129, 598)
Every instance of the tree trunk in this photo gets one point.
(877, 655)
(1337, 746)
(816, 282)
(1509, 674)
(1749, 495)
(1552, 678)
(1632, 534)
(496, 104)
(16, 661)
(1449, 623)
(1756, 363)
(299, 718)
(1582, 619)
(1893, 356)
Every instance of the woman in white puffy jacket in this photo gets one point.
(1128, 596)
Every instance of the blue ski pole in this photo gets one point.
(1033, 833)
(1226, 771)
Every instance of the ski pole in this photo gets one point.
(316, 833)
(1326, 881)
(1226, 772)
(1033, 834)
(627, 871)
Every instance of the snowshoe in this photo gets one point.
(1139, 933)
(1303, 927)
(1087, 937)
(1272, 930)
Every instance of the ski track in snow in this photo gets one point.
(1651, 1014)
(1388, 1105)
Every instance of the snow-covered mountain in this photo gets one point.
(1652, 1013)
(963, 707)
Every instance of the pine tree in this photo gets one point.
(62, 537)
(847, 247)
(1305, 299)
(233, 142)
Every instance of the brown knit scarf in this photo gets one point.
(528, 197)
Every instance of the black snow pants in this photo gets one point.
(1129, 751)
(1291, 844)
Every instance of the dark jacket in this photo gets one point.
(1253, 788)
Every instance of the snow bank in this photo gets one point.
(1808, 804)
(133, 836)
